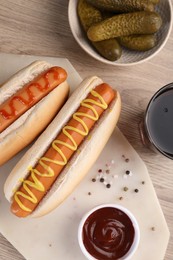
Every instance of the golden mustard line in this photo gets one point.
(50, 173)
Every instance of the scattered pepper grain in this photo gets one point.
(127, 172)
(102, 179)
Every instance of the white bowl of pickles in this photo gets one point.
(119, 32)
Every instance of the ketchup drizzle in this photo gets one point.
(31, 98)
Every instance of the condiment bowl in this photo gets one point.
(124, 212)
(129, 57)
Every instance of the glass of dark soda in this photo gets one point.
(157, 126)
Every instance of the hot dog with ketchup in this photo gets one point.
(87, 121)
(29, 99)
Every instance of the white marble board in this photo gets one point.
(55, 235)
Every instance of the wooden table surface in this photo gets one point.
(40, 27)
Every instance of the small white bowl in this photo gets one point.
(164, 8)
(131, 217)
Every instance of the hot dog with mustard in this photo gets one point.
(30, 98)
(91, 112)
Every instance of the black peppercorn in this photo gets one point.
(101, 179)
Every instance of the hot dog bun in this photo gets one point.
(16, 136)
(81, 161)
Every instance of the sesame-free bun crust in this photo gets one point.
(84, 157)
(27, 127)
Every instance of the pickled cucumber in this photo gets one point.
(88, 15)
(155, 2)
(123, 5)
(109, 49)
(139, 42)
(125, 24)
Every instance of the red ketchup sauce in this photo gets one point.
(108, 233)
(30, 98)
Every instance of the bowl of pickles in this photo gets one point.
(121, 32)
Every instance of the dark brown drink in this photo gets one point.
(158, 121)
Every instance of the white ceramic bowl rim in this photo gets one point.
(128, 213)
